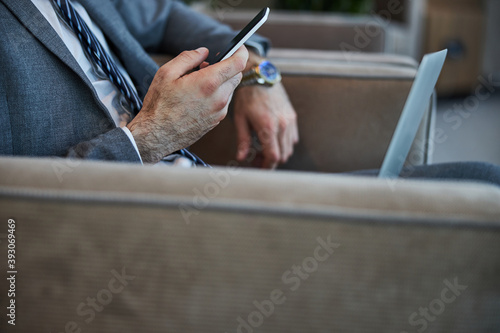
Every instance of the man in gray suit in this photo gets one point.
(53, 102)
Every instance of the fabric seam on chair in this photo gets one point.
(238, 206)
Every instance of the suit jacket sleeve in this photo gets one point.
(112, 146)
(166, 26)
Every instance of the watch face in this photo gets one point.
(268, 71)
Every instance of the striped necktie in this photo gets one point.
(98, 55)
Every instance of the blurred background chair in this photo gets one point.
(468, 28)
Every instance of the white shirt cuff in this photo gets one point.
(132, 140)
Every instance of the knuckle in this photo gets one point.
(243, 59)
(162, 73)
(266, 135)
(186, 55)
(272, 156)
(224, 74)
(275, 158)
(221, 115)
(240, 65)
(282, 124)
(210, 87)
(237, 79)
(220, 103)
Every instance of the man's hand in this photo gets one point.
(268, 112)
(181, 106)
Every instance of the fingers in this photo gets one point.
(244, 137)
(219, 81)
(269, 113)
(231, 84)
(229, 68)
(285, 146)
(204, 65)
(221, 96)
(279, 146)
(270, 148)
(185, 62)
(296, 137)
(289, 136)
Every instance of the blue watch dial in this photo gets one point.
(268, 71)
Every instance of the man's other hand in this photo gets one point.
(181, 105)
(268, 112)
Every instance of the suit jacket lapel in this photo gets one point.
(36, 23)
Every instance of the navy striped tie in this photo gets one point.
(96, 52)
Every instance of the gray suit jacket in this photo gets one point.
(48, 107)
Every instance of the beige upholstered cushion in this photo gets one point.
(118, 235)
(313, 31)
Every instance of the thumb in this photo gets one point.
(186, 62)
(244, 137)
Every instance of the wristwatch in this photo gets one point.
(265, 74)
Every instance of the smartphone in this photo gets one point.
(244, 35)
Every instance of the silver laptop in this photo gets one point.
(413, 113)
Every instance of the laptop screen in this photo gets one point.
(413, 113)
